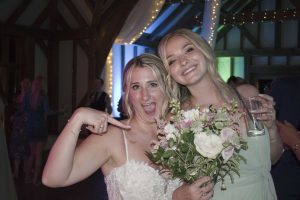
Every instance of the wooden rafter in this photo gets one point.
(90, 4)
(296, 3)
(19, 30)
(76, 14)
(43, 46)
(249, 36)
(100, 8)
(62, 22)
(18, 11)
(42, 17)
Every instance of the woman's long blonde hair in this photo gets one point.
(180, 91)
(155, 64)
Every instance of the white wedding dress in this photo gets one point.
(136, 180)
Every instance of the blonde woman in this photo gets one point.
(192, 76)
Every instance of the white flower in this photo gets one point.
(170, 131)
(208, 145)
(192, 114)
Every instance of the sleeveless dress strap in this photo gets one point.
(125, 142)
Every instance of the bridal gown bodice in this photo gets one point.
(136, 180)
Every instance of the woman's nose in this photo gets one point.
(145, 94)
(183, 60)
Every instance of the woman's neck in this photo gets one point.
(205, 93)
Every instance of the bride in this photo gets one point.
(119, 149)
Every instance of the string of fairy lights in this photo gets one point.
(265, 16)
(154, 12)
(109, 73)
(214, 21)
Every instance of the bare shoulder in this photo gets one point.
(247, 90)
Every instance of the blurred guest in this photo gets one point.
(286, 173)
(236, 81)
(7, 188)
(18, 140)
(36, 108)
(98, 99)
(290, 136)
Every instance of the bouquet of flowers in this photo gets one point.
(199, 143)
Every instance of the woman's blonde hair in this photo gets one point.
(180, 91)
(155, 64)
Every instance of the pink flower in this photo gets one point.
(226, 134)
(227, 153)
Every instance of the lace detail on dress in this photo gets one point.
(136, 180)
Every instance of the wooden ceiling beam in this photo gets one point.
(62, 22)
(249, 36)
(296, 3)
(19, 30)
(43, 46)
(90, 4)
(18, 12)
(100, 8)
(42, 17)
(76, 14)
(259, 52)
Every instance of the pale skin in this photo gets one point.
(188, 67)
(68, 163)
(289, 135)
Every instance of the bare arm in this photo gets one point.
(68, 164)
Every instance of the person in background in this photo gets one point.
(236, 81)
(119, 149)
(286, 173)
(19, 148)
(121, 110)
(36, 108)
(98, 99)
(7, 187)
(290, 136)
(192, 76)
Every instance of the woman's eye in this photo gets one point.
(135, 87)
(190, 49)
(171, 62)
(154, 84)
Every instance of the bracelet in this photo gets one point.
(296, 146)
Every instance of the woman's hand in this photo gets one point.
(201, 189)
(267, 113)
(288, 133)
(96, 120)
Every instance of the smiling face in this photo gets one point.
(187, 64)
(145, 94)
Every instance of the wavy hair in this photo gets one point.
(181, 92)
(155, 64)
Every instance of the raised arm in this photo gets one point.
(68, 164)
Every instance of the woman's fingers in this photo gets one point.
(117, 123)
(201, 181)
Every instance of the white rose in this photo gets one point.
(208, 145)
(191, 115)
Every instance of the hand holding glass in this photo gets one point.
(255, 127)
